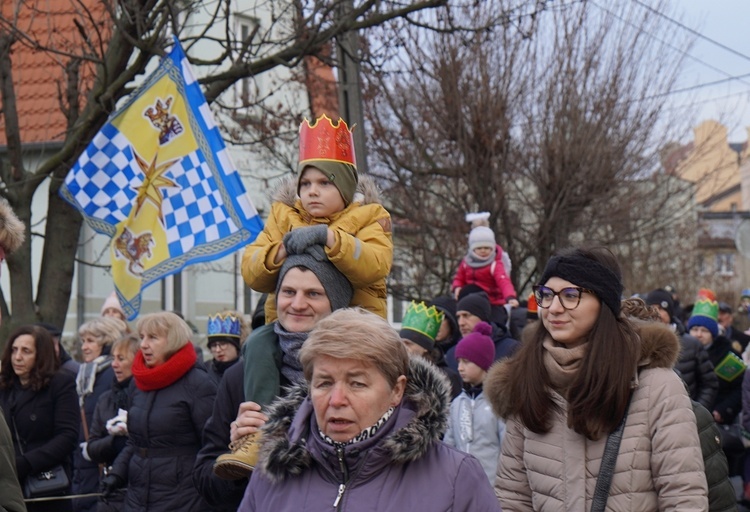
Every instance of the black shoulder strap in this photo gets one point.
(607, 469)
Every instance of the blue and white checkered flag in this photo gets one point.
(158, 179)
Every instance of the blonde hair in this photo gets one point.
(106, 330)
(129, 343)
(166, 324)
(353, 333)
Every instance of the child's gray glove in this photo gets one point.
(318, 252)
(297, 240)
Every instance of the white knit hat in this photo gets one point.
(481, 236)
(112, 302)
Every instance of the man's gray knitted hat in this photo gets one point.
(337, 286)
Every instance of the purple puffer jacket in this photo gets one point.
(404, 466)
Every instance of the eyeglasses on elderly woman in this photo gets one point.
(570, 297)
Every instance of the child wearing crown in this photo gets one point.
(353, 230)
(486, 265)
(322, 219)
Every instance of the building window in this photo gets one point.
(701, 265)
(246, 27)
(725, 264)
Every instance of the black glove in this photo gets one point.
(297, 240)
(110, 484)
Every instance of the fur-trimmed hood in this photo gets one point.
(420, 421)
(660, 348)
(12, 230)
(286, 191)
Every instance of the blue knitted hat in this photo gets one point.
(705, 314)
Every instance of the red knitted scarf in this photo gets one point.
(158, 377)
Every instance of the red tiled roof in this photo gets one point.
(322, 86)
(38, 74)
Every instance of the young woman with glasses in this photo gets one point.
(580, 372)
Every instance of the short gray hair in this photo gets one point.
(106, 330)
(353, 333)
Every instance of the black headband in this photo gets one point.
(587, 273)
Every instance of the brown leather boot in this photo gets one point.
(241, 462)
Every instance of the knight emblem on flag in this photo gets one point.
(159, 181)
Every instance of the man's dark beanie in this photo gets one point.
(337, 286)
(661, 298)
(468, 290)
(478, 304)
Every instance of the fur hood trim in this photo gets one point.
(12, 230)
(284, 453)
(286, 191)
(660, 348)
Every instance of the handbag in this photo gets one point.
(52, 482)
(607, 468)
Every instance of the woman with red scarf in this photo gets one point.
(171, 402)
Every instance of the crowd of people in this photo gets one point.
(574, 400)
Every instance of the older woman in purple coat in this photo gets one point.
(364, 432)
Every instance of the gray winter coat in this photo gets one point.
(404, 466)
(164, 436)
(473, 428)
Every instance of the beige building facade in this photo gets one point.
(720, 171)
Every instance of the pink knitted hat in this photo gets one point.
(477, 346)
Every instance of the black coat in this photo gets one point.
(697, 371)
(47, 423)
(221, 495)
(216, 369)
(729, 398)
(103, 448)
(86, 473)
(164, 436)
(438, 357)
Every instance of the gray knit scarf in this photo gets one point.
(291, 343)
(475, 261)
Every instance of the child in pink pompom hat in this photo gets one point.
(472, 426)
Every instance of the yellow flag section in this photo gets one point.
(140, 242)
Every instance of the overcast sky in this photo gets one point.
(726, 22)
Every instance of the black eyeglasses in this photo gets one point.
(569, 297)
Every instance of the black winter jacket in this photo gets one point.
(729, 398)
(164, 436)
(221, 495)
(86, 473)
(103, 448)
(47, 423)
(697, 371)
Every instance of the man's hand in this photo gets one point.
(249, 420)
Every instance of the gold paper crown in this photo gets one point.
(325, 141)
(423, 319)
